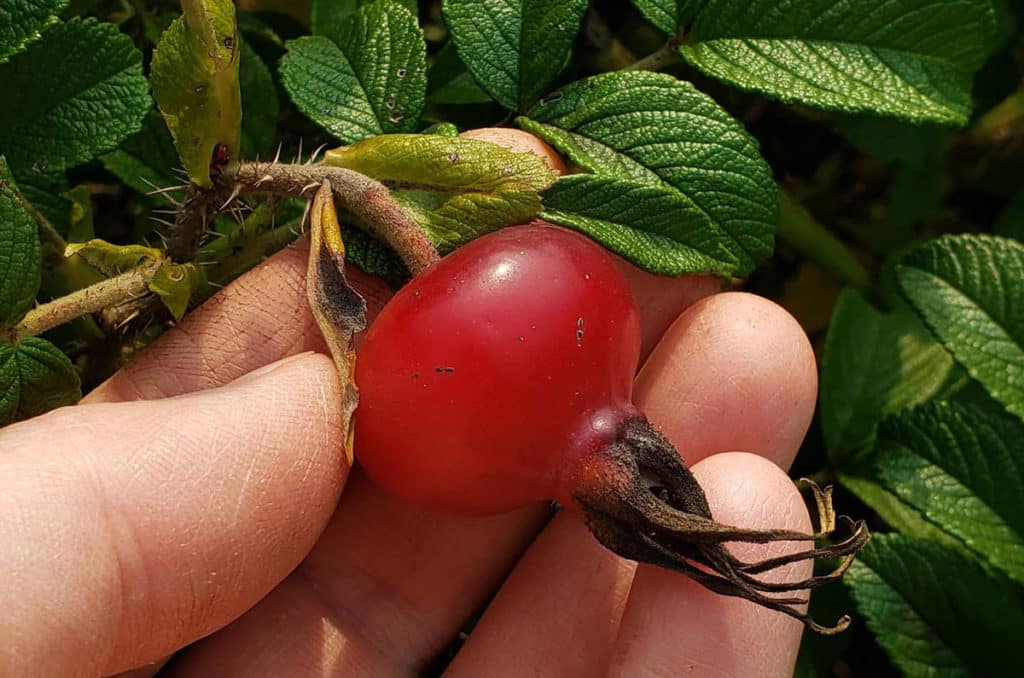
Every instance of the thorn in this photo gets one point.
(277, 156)
(319, 149)
(309, 187)
(262, 180)
(213, 284)
(165, 222)
(298, 156)
(235, 192)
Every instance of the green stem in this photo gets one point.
(257, 248)
(809, 237)
(1001, 119)
(91, 299)
(666, 55)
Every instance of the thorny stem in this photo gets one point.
(367, 199)
(185, 236)
(659, 59)
(91, 299)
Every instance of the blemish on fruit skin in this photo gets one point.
(579, 329)
(415, 375)
(400, 73)
(454, 157)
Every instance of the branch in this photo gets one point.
(655, 61)
(91, 299)
(369, 200)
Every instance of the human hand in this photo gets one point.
(182, 493)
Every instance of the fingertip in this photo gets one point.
(672, 623)
(734, 371)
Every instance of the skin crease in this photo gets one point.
(387, 585)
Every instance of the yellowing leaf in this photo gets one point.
(195, 81)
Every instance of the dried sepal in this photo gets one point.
(339, 310)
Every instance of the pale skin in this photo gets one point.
(192, 501)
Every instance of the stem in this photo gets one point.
(666, 55)
(801, 230)
(184, 238)
(1000, 120)
(254, 251)
(91, 299)
(369, 200)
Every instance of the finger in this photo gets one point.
(753, 388)
(383, 592)
(567, 565)
(258, 319)
(558, 612)
(674, 626)
(662, 298)
(129, 530)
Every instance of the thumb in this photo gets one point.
(129, 530)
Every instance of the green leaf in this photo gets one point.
(67, 115)
(175, 284)
(455, 188)
(874, 364)
(935, 611)
(80, 221)
(22, 22)
(896, 513)
(146, 159)
(19, 251)
(35, 377)
(963, 469)
(1010, 223)
(443, 129)
(450, 82)
(327, 15)
(371, 80)
(911, 59)
(195, 81)
(43, 192)
(651, 128)
(655, 227)
(110, 259)
(970, 291)
(259, 104)
(891, 140)
(374, 257)
(514, 48)
(664, 14)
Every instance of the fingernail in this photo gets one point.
(267, 369)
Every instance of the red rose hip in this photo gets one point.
(502, 376)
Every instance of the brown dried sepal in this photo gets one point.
(339, 310)
(647, 506)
